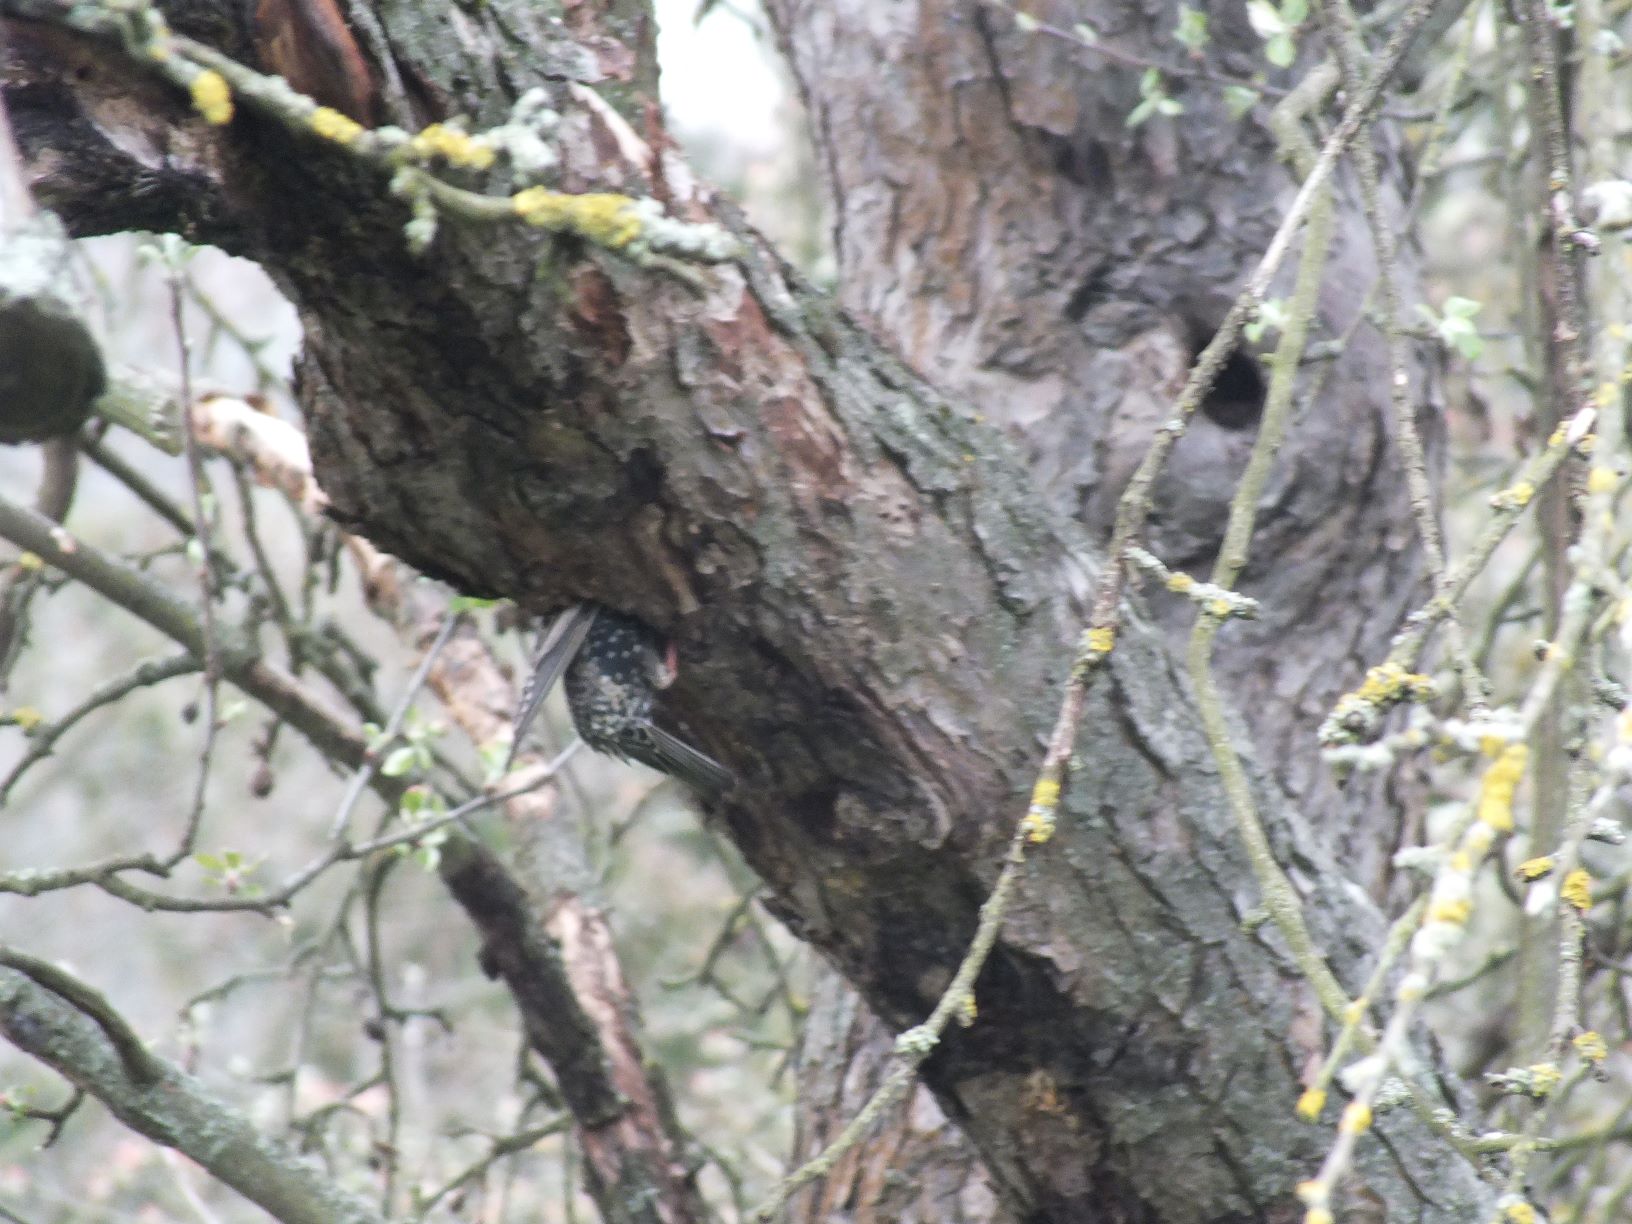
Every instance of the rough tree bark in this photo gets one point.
(875, 593)
(998, 222)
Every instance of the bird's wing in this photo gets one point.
(560, 647)
(668, 754)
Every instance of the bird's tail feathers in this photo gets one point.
(561, 645)
(679, 759)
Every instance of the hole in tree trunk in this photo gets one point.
(1236, 399)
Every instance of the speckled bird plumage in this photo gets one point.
(614, 668)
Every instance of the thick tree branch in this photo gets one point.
(170, 1107)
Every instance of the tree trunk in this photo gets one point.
(998, 222)
(875, 593)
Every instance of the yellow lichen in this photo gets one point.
(456, 147)
(1500, 781)
(602, 217)
(330, 124)
(1591, 1046)
(1602, 480)
(1356, 1118)
(1180, 583)
(30, 562)
(1456, 912)
(212, 97)
(27, 717)
(1039, 820)
(1388, 683)
(1515, 497)
(1311, 1103)
(1536, 868)
(1544, 1078)
(1577, 889)
(1101, 639)
(1520, 1213)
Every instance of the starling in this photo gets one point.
(614, 667)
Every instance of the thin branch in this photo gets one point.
(506, 1145)
(202, 534)
(393, 726)
(154, 603)
(44, 738)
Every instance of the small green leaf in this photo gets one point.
(493, 755)
(1270, 316)
(400, 761)
(1153, 91)
(1239, 99)
(1280, 51)
(1265, 19)
(1085, 33)
(1025, 23)
(1455, 327)
(471, 603)
(1192, 28)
